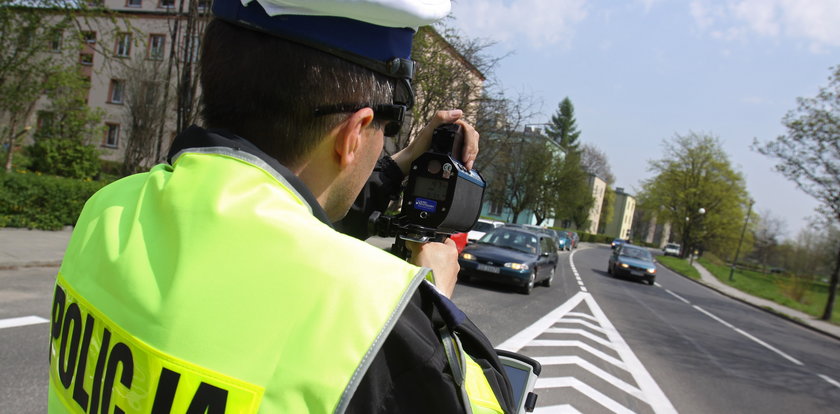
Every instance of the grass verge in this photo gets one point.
(678, 265)
(794, 292)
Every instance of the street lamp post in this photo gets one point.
(738, 249)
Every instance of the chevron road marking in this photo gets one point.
(584, 389)
(647, 390)
(582, 363)
(22, 321)
(557, 409)
(581, 345)
(582, 332)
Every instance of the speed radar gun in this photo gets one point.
(441, 197)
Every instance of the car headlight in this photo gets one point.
(517, 266)
(624, 265)
(651, 270)
(467, 256)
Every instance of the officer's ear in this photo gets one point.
(349, 142)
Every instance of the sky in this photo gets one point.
(640, 72)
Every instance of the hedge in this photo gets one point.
(44, 202)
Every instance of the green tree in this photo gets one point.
(809, 155)
(26, 33)
(70, 116)
(693, 174)
(520, 174)
(563, 127)
(575, 198)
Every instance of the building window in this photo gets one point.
(203, 5)
(56, 40)
(112, 136)
(156, 46)
(123, 48)
(133, 3)
(117, 91)
(89, 37)
(166, 4)
(496, 208)
(86, 59)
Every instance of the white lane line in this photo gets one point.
(518, 341)
(582, 332)
(22, 321)
(657, 284)
(829, 380)
(754, 339)
(584, 389)
(655, 396)
(557, 409)
(578, 344)
(582, 322)
(678, 296)
(604, 375)
(583, 289)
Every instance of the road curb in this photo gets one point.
(759, 307)
(24, 265)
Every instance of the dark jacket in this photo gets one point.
(410, 372)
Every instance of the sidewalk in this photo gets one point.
(32, 248)
(794, 315)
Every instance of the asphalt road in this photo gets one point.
(607, 345)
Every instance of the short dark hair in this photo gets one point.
(265, 89)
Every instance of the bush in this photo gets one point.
(42, 202)
(65, 157)
(20, 160)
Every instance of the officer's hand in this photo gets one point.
(442, 258)
(423, 141)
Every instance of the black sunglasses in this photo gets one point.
(389, 114)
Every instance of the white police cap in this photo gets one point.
(390, 13)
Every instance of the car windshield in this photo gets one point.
(510, 239)
(637, 254)
(483, 226)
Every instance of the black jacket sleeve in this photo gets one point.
(382, 187)
(410, 373)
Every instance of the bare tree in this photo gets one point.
(144, 96)
(766, 237)
(594, 161)
(809, 155)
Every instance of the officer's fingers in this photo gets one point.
(440, 118)
(470, 149)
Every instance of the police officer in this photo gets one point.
(216, 282)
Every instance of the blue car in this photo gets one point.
(512, 256)
(632, 261)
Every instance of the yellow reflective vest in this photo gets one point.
(209, 286)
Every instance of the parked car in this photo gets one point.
(616, 243)
(564, 240)
(671, 249)
(512, 256)
(574, 237)
(482, 226)
(632, 261)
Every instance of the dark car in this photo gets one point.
(616, 243)
(632, 261)
(512, 256)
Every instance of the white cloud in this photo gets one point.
(817, 21)
(537, 23)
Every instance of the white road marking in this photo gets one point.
(678, 296)
(22, 321)
(604, 375)
(829, 380)
(581, 387)
(582, 315)
(754, 339)
(582, 332)
(519, 340)
(582, 322)
(557, 409)
(655, 396)
(578, 344)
